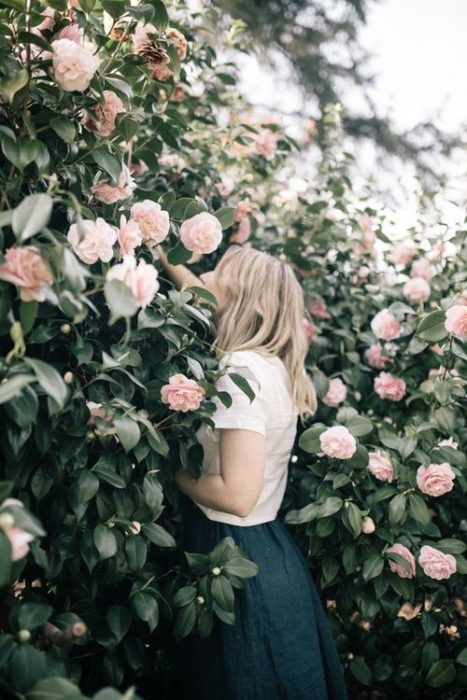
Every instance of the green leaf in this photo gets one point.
(372, 566)
(31, 216)
(331, 505)
(432, 327)
(446, 419)
(160, 18)
(31, 615)
(397, 509)
(128, 432)
(64, 128)
(107, 472)
(361, 670)
(222, 593)
(144, 605)
(419, 509)
(54, 688)
(462, 657)
(12, 84)
(179, 255)
(5, 558)
(243, 568)
(184, 596)
(120, 299)
(49, 379)
(441, 673)
(107, 162)
(185, 619)
(226, 216)
(359, 426)
(242, 384)
(158, 535)
(119, 620)
(351, 516)
(406, 446)
(451, 546)
(105, 541)
(12, 387)
(309, 439)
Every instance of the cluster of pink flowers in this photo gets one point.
(435, 479)
(336, 393)
(26, 269)
(434, 563)
(182, 394)
(102, 122)
(201, 234)
(338, 442)
(19, 539)
(389, 387)
(141, 279)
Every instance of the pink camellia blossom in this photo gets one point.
(109, 194)
(368, 525)
(242, 231)
(140, 278)
(417, 289)
(318, 309)
(422, 268)
(19, 542)
(265, 143)
(243, 208)
(375, 358)
(172, 161)
(403, 254)
(103, 120)
(153, 221)
(336, 393)
(389, 387)
(385, 325)
(338, 442)
(436, 564)
(182, 394)
(162, 72)
(129, 236)
(141, 35)
(380, 465)
(201, 233)
(139, 168)
(49, 20)
(26, 269)
(309, 329)
(73, 65)
(92, 240)
(179, 41)
(400, 549)
(225, 186)
(72, 31)
(435, 479)
(456, 321)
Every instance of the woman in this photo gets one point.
(281, 646)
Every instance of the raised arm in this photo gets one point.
(180, 275)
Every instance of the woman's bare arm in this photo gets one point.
(180, 275)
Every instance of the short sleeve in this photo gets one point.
(242, 413)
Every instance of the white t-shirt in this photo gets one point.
(271, 413)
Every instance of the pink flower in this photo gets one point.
(380, 466)
(97, 410)
(310, 331)
(19, 541)
(138, 168)
(319, 310)
(182, 394)
(375, 358)
(368, 234)
(153, 221)
(403, 253)
(422, 268)
(242, 231)
(172, 161)
(48, 21)
(72, 31)
(436, 479)
(436, 564)
(417, 289)
(400, 549)
(73, 65)
(265, 143)
(389, 387)
(225, 186)
(92, 240)
(25, 268)
(103, 122)
(338, 442)
(243, 208)
(201, 233)
(385, 325)
(140, 278)
(336, 393)
(142, 35)
(456, 321)
(179, 41)
(129, 236)
(368, 525)
(109, 194)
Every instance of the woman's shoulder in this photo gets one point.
(248, 358)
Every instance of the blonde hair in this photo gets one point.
(263, 311)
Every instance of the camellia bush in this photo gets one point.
(120, 131)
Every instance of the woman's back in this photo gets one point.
(271, 413)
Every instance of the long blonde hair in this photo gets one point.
(263, 311)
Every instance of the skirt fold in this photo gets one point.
(281, 646)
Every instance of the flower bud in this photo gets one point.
(135, 527)
(68, 377)
(90, 435)
(368, 525)
(65, 328)
(216, 571)
(23, 635)
(200, 600)
(6, 521)
(79, 629)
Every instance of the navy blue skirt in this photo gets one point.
(281, 645)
